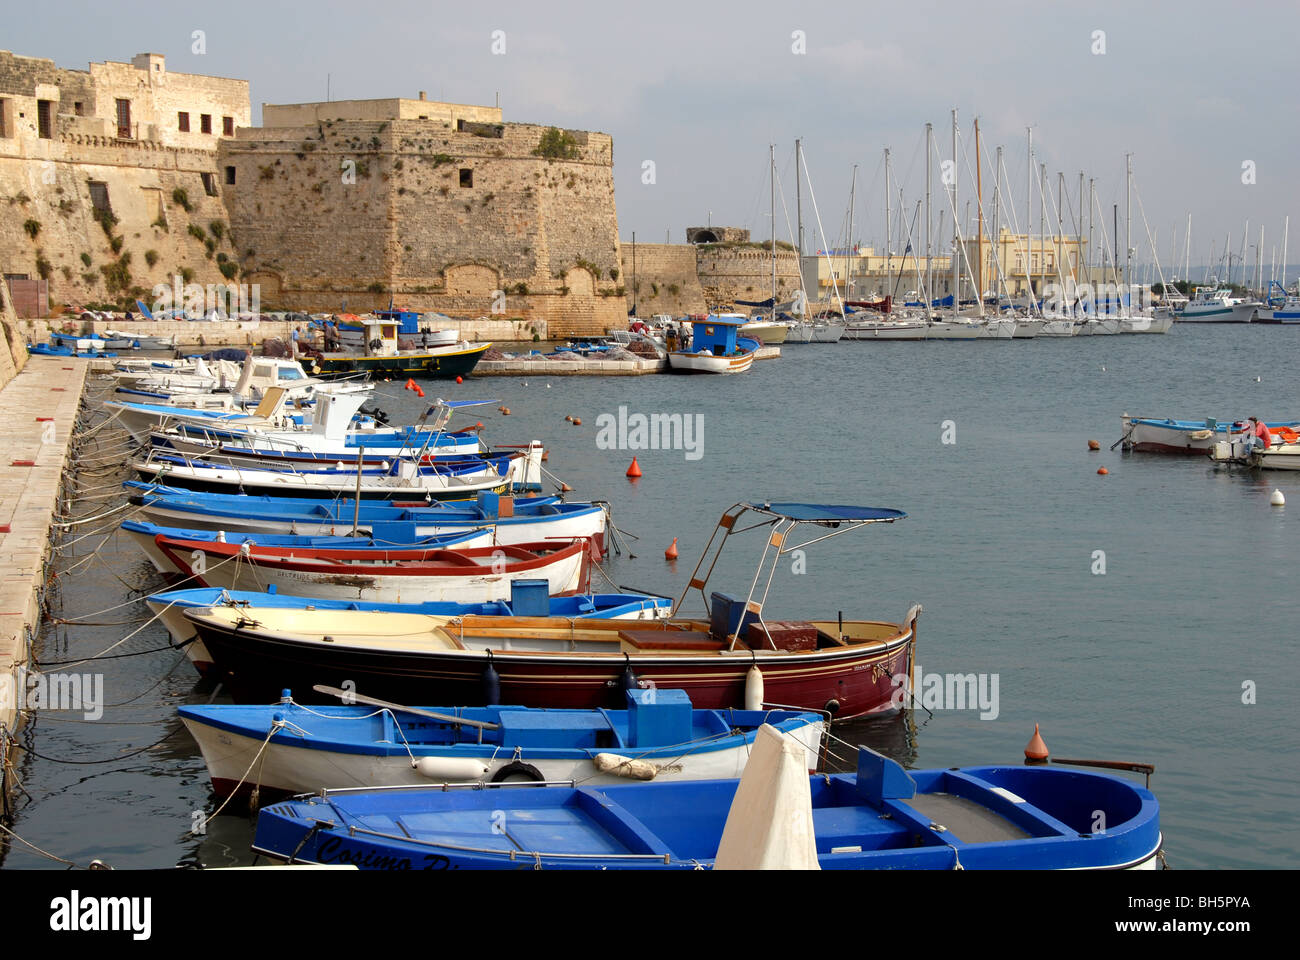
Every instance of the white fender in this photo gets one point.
(621, 766)
(754, 689)
(451, 768)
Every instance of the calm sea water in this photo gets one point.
(1151, 660)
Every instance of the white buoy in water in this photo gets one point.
(754, 689)
(1277, 499)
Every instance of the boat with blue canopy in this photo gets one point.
(716, 347)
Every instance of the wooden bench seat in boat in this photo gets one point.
(671, 640)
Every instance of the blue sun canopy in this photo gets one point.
(823, 512)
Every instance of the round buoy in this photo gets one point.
(568, 419)
(1094, 445)
(577, 421)
(1036, 749)
(1102, 471)
(565, 488)
(479, 425)
(671, 552)
(459, 380)
(634, 471)
(1277, 499)
(419, 392)
(505, 411)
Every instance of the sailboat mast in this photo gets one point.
(848, 273)
(1029, 214)
(929, 265)
(956, 226)
(1128, 218)
(979, 237)
(1078, 236)
(771, 162)
(1286, 226)
(889, 226)
(1187, 255)
(798, 195)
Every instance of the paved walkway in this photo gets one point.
(37, 411)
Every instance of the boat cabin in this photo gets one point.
(716, 334)
(259, 374)
(380, 338)
(408, 321)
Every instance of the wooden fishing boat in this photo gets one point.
(1189, 437)
(382, 356)
(510, 520)
(527, 598)
(715, 348)
(733, 657)
(464, 575)
(882, 817)
(656, 736)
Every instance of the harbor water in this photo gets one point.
(1144, 615)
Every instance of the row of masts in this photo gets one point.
(1112, 268)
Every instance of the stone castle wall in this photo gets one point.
(436, 218)
(728, 274)
(666, 278)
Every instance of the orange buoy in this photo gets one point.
(577, 421)
(505, 411)
(459, 380)
(1036, 749)
(479, 425)
(1102, 471)
(1094, 445)
(634, 471)
(671, 552)
(564, 487)
(410, 383)
(569, 419)
(419, 392)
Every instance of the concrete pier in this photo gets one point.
(40, 407)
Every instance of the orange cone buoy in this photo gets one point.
(1094, 445)
(1102, 471)
(634, 471)
(671, 552)
(1036, 749)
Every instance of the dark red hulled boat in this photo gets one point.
(734, 658)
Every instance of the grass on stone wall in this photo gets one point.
(32, 226)
(181, 199)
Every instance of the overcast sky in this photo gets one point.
(1193, 90)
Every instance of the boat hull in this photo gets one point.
(708, 363)
(258, 664)
(444, 364)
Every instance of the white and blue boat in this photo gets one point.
(881, 817)
(521, 520)
(1189, 437)
(658, 736)
(1283, 307)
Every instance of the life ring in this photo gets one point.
(517, 769)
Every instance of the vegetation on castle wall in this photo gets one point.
(107, 219)
(85, 258)
(43, 267)
(117, 275)
(150, 257)
(33, 227)
(557, 144)
(181, 199)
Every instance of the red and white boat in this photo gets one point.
(733, 657)
(474, 575)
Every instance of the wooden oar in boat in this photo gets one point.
(346, 695)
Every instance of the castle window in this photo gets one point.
(99, 196)
(205, 123)
(466, 177)
(124, 119)
(209, 184)
(230, 175)
(44, 120)
(183, 122)
(227, 126)
(6, 117)
(79, 108)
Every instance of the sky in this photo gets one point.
(1200, 94)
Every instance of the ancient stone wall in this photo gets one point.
(728, 274)
(666, 279)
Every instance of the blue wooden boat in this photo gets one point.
(657, 737)
(528, 598)
(976, 818)
(528, 519)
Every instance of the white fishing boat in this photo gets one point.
(715, 347)
(886, 330)
(1191, 437)
(1217, 305)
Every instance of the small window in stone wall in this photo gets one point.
(230, 175)
(44, 119)
(205, 123)
(227, 126)
(79, 108)
(209, 183)
(6, 117)
(466, 177)
(99, 196)
(183, 122)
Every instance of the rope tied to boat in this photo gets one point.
(276, 727)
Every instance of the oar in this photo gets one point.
(372, 702)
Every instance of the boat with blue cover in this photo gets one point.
(528, 598)
(716, 347)
(1190, 437)
(657, 736)
(511, 520)
(881, 817)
